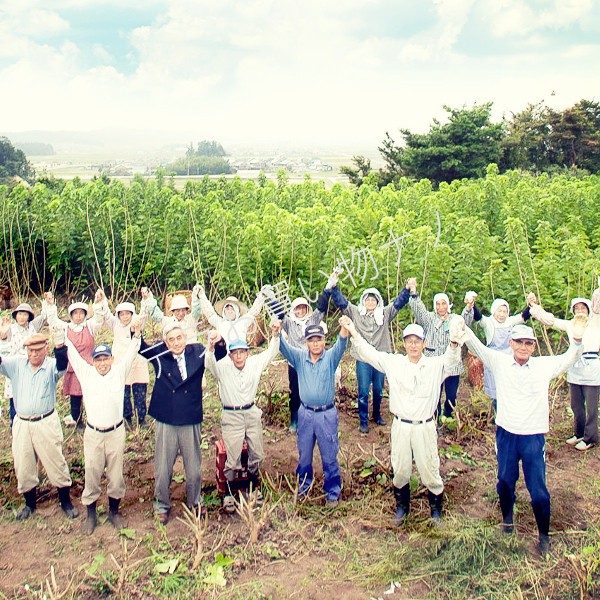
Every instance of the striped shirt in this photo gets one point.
(437, 333)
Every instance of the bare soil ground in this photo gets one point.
(305, 550)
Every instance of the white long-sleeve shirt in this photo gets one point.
(237, 387)
(103, 394)
(414, 387)
(522, 390)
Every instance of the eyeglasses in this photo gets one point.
(528, 343)
(413, 342)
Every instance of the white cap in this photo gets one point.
(413, 329)
(82, 305)
(179, 302)
(129, 306)
(522, 332)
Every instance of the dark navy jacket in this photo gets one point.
(174, 401)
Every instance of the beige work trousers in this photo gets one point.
(236, 426)
(39, 440)
(419, 441)
(103, 452)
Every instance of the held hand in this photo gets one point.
(58, 333)
(136, 326)
(267, 291)
(457, 332)
(346, 323)
(411, 285)
(333, 278)
(275, 325)
(214, 337)
(197, 291)
(596, 301)
(49, 297)
(4, 327)
(531, 299)
(99, 297)
(578, 327)
(470, 298)
(145, 293)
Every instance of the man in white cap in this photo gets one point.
(104, 437)
(523, 419)
(37, 434)
(176, 404)
(12, 337)
(436, 324)
(238, 376)
(414, 382)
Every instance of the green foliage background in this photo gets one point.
(501, 235)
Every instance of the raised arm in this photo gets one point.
(363, 349)
(149, 306)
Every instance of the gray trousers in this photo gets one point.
(171, 440)
(584, 402)
(237, 426)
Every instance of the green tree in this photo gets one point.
(210, 148)
(461, 148)
(13, 162)
(361, 170)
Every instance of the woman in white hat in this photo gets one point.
(26, 324)
(584, 376)
(136, 384)
(81, 331)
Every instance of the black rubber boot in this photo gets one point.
(113, 513)
(402, 496)
(90, 522)
(435, 506)
(30, 505)
(66, 504)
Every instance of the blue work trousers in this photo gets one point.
(322, 428)
(366, 375)
(531, 451)
(139, 401)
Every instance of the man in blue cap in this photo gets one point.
(317, 416)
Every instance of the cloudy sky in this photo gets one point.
(305, 71)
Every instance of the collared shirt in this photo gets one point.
(414, 387)
(103, 394)
(180, 360)
(34, 392)
(522, 390)
(237, 387)
(316, 381)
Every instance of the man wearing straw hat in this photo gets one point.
(181, 312)
(523, 419)
(37, 434)
(414, 382)
(230, 317)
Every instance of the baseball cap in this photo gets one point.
(101, 350)
(238, 345)
(413, 329)
(314, 331)
(522, 332)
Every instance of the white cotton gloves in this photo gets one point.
(58, 333)
(578, 325)
(334, 278)
(197, 291)
(470, 297)
(267, 291)
(456, 329)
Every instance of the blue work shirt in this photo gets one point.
(316, 381)
(34, 392)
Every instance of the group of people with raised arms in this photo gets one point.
(105, 378)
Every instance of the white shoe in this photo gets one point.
(573, 440)
(69, 421)
(583, 446)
